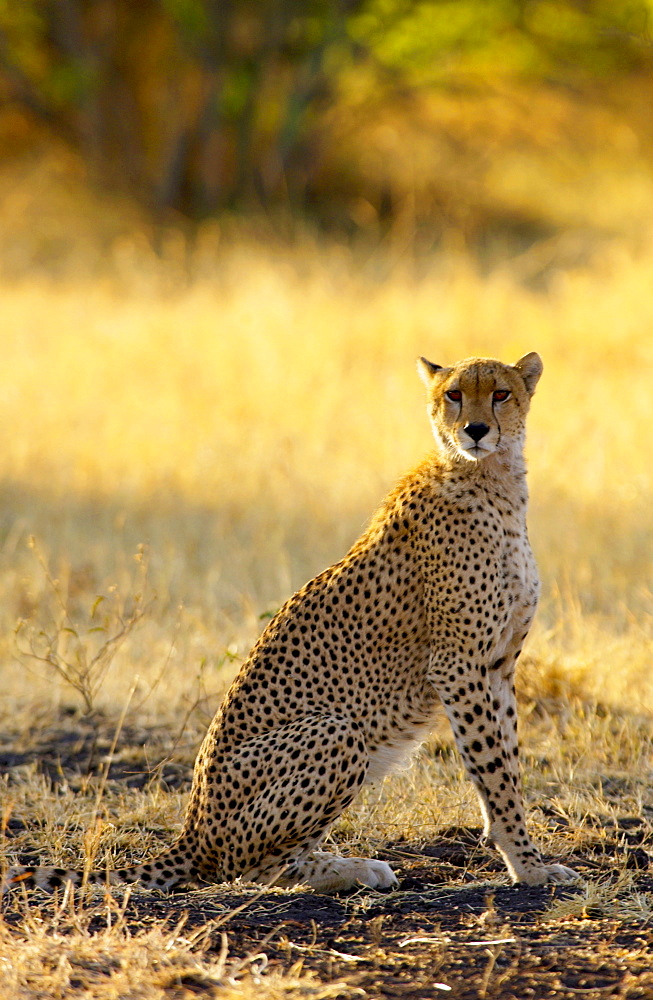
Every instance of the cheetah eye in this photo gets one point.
(499, 395)
(455, 395)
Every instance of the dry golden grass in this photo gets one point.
(61, 954)
(190, 435)
(244, 425)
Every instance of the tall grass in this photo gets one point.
(241, 410)
(187, 435)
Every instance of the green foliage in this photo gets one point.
(202, 105)
(429, 37)
(406, 36)
(235, 91)
(22, 35)
(70, 82)
(191, 16)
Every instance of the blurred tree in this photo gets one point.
(206, 105)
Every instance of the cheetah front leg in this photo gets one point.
(501, 677)
(484, 726)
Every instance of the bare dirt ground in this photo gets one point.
(453, 927)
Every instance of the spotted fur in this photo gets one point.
(431, 604)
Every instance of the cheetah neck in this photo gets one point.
(507, 468)
(499, 478)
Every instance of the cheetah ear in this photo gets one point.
(426, 370)
(530, 368)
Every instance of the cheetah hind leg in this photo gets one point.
(329, 873)
(324, 762)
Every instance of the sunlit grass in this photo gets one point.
(64, 954)
(245, 422)
(195, 432)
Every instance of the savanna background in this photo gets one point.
(227, 229)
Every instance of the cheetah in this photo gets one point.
(430, 606)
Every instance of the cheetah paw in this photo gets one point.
(560, 873)
(375, 874)
(549, 873)
(330, 873)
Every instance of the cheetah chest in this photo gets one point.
(481, 583)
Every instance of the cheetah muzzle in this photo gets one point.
(431, 605)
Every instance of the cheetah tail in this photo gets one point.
(165, 872)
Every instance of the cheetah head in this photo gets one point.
(478, 407)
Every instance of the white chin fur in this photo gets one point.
(474, 454)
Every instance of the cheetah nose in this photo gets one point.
(476, 431)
